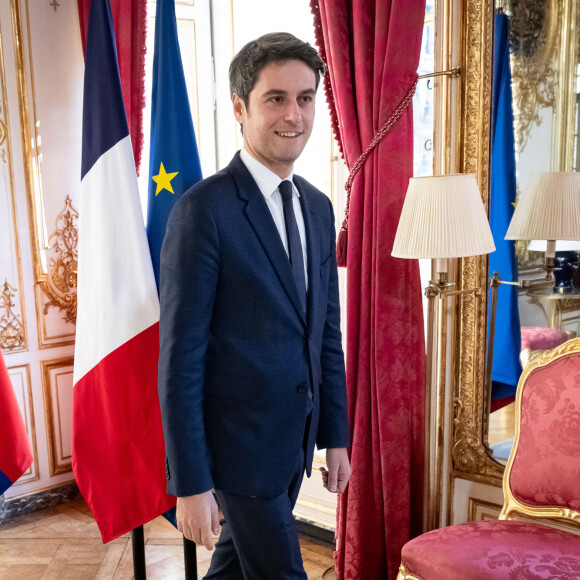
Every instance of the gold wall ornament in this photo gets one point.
(11, 327)
(61, 286)
(534, 47)
(54, 4)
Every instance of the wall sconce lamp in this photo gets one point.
(443, 217)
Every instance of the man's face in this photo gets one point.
(278, 119)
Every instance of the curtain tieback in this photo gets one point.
(343, 234)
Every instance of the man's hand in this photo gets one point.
(197, 518)
(338, 474)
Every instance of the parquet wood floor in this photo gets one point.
(63, 543)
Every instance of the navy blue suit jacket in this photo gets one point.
(237, 354)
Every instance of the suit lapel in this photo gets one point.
(261, 219)
(312, 247)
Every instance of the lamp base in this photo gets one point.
(566, 264)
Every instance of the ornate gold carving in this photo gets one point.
(61, 287)
(468, 451)
(534, 48)
(11, 327)
(404, 574)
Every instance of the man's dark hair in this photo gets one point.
(274, 47)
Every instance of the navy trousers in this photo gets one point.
(259, 540)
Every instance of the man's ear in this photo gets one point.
(239, 108)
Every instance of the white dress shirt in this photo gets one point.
(268, 183)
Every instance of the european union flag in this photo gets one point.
(174, 160)
(506, 357)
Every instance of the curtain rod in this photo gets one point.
(454, 72)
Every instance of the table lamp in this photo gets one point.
(550, 210)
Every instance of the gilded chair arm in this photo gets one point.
(404, 574)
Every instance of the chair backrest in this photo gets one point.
(542, 477)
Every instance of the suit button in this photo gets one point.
(302, 388)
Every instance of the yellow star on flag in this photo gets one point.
(163, 180)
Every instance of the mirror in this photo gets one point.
(541, 40)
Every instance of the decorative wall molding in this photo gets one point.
(22, 385)
(57, 376)
(43, 149)
(479, 510)
(14, 334)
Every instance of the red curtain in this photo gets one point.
(372, 50)
(130, 21)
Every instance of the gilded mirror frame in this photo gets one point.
(471, 458)
(469, 454)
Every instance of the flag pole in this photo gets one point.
(174, 164)
(190, 559)
(138, 542)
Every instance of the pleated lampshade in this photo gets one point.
(549, 210)
(443, 217)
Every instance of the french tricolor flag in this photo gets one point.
(15, 451)
(118, 450)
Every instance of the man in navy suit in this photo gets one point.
(251, 369)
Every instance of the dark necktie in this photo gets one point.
(294, 245)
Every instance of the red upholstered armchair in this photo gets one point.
(542, 480)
